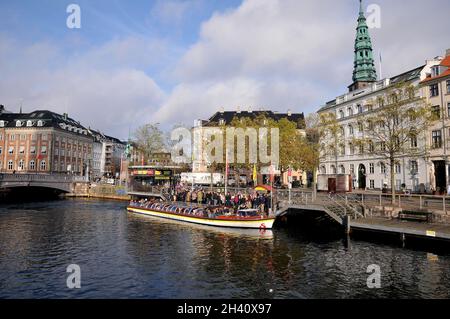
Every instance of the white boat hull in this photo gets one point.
(263, 223)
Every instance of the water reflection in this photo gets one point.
(132, 256)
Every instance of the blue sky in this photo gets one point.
(173, 61)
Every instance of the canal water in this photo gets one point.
(123, 255)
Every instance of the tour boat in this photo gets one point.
(210, 216)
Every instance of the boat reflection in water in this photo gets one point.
(247, 233)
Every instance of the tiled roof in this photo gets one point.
(228, 117)
(446, 63)
(48, 118)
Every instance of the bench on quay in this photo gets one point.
(420, 216)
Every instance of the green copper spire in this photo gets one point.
(364, 67)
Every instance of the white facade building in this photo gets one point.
(367, 171)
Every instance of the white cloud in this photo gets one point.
(109, 92)
(275, 54)
(173, 12)
(294, 54)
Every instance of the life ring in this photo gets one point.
(262, 226)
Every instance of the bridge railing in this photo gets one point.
(57, 178)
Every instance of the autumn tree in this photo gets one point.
(149, 139)
(331, 138)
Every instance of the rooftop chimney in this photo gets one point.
(289, 113)
(2, 108)
(65, 115)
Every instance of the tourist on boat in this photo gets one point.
(200, 197)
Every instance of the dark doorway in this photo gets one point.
(362, 177)
(439, 172)
(332, 185)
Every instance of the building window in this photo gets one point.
(436, 139)
(11, 150)
(398, 168)
(12, 137)
(434, 90)
(383, 168)
(32, 165)
(40, 123)
(29, 123)
(18, 123)
(350, 111)
(10, 165)
(435, 71)
(342, 169)
(361, 149)
(352, 149)
(350, 129)
(21, 165)
(413, 140)
(44, 137)
(371, 147)
(436, 110)
(22, 150)
(360, 108)
(372, 184)
(414, 167)
(56, 151)
(333, 169)
(352, 168)
(341, 114)
(43, 165)
(360, 127)
(371, 168)
(23, 137)
(448, 86)
(32, 149)
(44, 150)
(1, 151)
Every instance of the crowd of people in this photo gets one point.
(236, 200)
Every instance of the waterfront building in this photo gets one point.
(43, 142)
(225, 118)
(363, 170)
(108, 155)
(436, 88)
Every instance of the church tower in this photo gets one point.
(364, 72)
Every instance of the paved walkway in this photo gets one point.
(438, 231)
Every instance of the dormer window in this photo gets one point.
(221, 122)
(40, 123)
(2, 123)
(435, 71)
(29, 123)
(18, 123)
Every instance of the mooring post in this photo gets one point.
(346, 224)
(443, 200)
